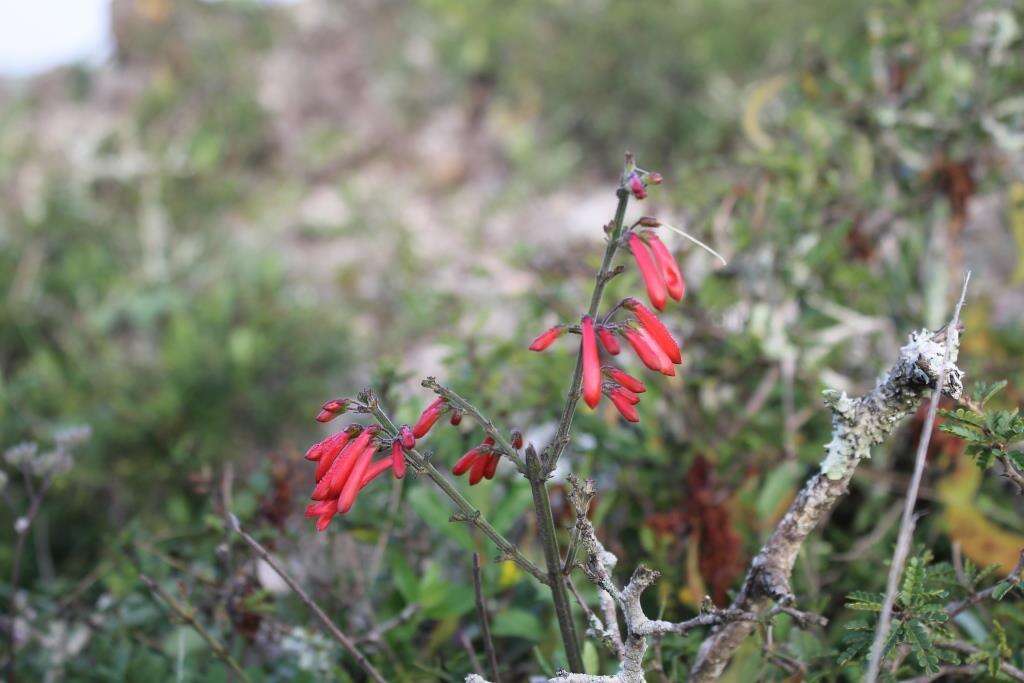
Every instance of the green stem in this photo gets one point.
(467, 512)
(561, 439)
(546, 527)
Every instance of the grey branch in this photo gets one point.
(858, 423)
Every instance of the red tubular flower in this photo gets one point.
(332, 409)
(516, 439)
(642, 347)
(591, 364)
(332, 447)
(318, 508)
(428, 417)
(397, 459)
(355, 479)
(608, 340)
(625, 408)
(330, 508)
(456, 418)
(655, 328)
(492, 466)
(466, 461)
(476, 473)
(674, 282)
(625, 379)
(665, 363)
(374, 470)
(650, 272)
(628, 395)
(340, 470)
(547, 338)
(406, 437)
(636, 186)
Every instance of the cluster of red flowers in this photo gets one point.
(345, 464)
(646, 334)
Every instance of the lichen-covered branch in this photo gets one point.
(857, 425)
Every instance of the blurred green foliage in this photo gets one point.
(830, 149)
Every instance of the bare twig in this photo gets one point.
(857, 425)
(906, 532)
(966, 648)
(1014, 576)
(481, 613)
(188, 614)
(331, 627)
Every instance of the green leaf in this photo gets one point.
(1002, 588)
(518, 623)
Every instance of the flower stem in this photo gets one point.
(552, 559)
(554, 449)
(467, 512)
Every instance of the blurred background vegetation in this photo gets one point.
(253, 208)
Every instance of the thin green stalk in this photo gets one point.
(561, 439)
(546, 527)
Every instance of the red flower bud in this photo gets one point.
(625, 379)
(397, 459)
(466, 461)
(331, 447)
(516, 439)
(547, 338)
(456, 418)
(625, 408)
(591, 364)
(666, 365)
(343, 467)
(492, 466)
(428, 417)
(643, 349)
(654, 178)
(636, 186)
(353, 483)
(628, 395)
(655, 328)
(332, 409)
(330, 508)
(656, 291)
(608, 340)
(406, 437)
(674, 282)
(476, 473)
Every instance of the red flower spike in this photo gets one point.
(667, 367)
(456, 418)
(608, 340)
(465, 462)
(656, 329)
(355, 479)
(636, 186)
(628, 395)
(406, 437)
(625, 408)
(656, 290)
(492, 466)
(642, 347)
(476, 473)
(625, 379)
(591, 364)
(547, 338)
(516, 439)
(674, 282)
(397, 459)
(332, 409)
(428, 417)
